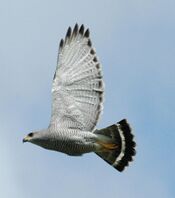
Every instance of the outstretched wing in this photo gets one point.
(77, 85)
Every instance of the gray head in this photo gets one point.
(31, 137)
(40, 138)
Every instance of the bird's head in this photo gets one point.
(35, 137)
(30, 137)
(40, 138)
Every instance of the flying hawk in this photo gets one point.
(77, 101)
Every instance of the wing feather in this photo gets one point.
(77, 89)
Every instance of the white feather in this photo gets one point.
(77, 86)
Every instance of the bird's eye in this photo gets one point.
(30, 134)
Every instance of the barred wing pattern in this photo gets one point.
(77, 85)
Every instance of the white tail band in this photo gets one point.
(123, 146)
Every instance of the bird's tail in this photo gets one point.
(117, 144)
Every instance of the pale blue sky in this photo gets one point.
(135, 42)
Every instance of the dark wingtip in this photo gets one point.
(89, 43)
(68, 34)
(97, 66)
(54, 76)
(71, 33)
(95, 59)
(87, 33)
(61, 43)
(92, 51)
(81, 30)
(75, 30)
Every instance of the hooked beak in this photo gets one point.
(26, 139)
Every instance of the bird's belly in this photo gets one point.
(74, 148)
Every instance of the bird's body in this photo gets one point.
(77, 103)
(70, 141)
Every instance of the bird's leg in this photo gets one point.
(108, 146)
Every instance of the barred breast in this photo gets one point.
(72, 142)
